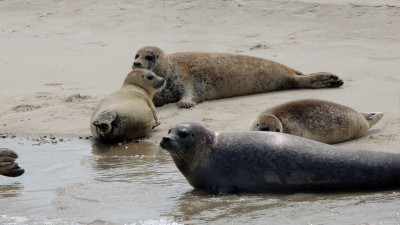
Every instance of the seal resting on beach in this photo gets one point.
(250, 161)
(193, 77)
(8, 166)
(318, 120)
(129, 112)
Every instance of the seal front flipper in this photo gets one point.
(104, 122)
(188, 98)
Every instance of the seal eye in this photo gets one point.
(149, 57)
(150, 77)
(136, 56)
(183, 134)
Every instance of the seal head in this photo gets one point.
(266, 122)
(185, 142)
(152, 58)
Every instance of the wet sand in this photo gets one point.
(59, 59)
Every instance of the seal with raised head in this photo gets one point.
(129, 112)
(193, 77)
(8, 166)
(250, 161)
(318, 120)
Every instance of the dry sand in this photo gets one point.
(60, 58)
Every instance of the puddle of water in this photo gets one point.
(82, 182)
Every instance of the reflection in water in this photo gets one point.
(81, 182)
(123, 162)
(300, 208)
(11, 190)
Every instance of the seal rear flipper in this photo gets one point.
(373, 118)
(319, 80)
(104, 121)
(18, 171)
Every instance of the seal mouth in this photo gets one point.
(175, 150)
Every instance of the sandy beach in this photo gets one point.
(59, 59)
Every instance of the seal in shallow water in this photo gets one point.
(8, 166)
(129, 112)
(193, 77)
(318, 120)
(226, 162)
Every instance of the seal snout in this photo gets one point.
(160, 84)
(165, 142)
(137, 65)
(264, 127)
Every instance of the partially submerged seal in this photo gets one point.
(226, 162)
(318, 120)
(8, 166)
(193, 77)
(129, 112)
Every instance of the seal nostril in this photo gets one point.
(166, 139)
(137, 64)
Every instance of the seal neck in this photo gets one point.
(163, 69)
(138, 91)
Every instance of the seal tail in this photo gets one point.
(104, 122)
(373, 118)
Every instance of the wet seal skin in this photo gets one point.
(254, 162)
(193, 77)
(318, 120)
(8, 166)
(128, 113)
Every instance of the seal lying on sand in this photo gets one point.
(318, 120)
(193, 77)
(129, 112)
(8, 166)
(226, 162)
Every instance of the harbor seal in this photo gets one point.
(250, 161)
(318, 120)
(193, 77)
(129, 112)
(8, 166)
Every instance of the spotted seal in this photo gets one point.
(193, 77)
(315, 119)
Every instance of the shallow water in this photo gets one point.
(78, 182)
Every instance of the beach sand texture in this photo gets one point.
(59, 59)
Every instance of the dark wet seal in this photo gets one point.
(8, 166)
(255, 162)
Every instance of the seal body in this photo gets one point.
(128, 113)
(226, 162)
(8, 166)
(193, 77)
(318, 120)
